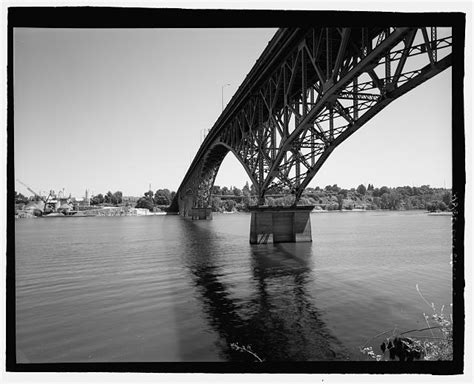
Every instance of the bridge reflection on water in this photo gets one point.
(277, 318)
(161, 288)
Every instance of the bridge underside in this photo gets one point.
(310, 90)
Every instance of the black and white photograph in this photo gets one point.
(237, 191)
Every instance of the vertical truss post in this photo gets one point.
(312, 147)
(273, 139)
(232, 137)
(298, 171)
(387, 61)
(369, 42)
(366, 42)
(341, 53)
(328, 55)
(285, 104)
(260, 142)
(363, 42)
(303, 83)
(433, 43)
(428, 45)
(356, 100)
(331, 122)
(286, 127)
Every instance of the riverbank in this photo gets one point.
(358, 210)
(104, 211)
(128, 211)
(335, 198)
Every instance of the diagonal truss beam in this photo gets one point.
(311, 89)
(425, 74)
(379, 51)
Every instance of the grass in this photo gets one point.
(245, 349)
(399, 346)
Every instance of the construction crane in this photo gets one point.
(51, 193)
(29, 189)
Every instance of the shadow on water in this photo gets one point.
(278, 318)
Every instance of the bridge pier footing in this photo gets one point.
(201, 213)
(280, 224)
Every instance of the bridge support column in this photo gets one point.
(201, 213)
(185, 204)
(280, 224)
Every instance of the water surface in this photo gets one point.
(162, 288)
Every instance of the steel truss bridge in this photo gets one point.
(309, 91)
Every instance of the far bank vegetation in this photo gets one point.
(332, 198)
(329, 198)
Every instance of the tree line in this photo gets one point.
(150, 200)
(161, 199)
(115, 198)
(331, 197)
(370, 197)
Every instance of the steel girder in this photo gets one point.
(307, 94)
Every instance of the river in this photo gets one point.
(163, 288)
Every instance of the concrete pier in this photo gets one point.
(280, 224)
(201, 213)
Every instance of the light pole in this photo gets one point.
(222, 95)
(204, 133)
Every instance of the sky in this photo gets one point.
(369, 152)
(125, 109)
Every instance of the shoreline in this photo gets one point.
(445, 213)
(115, 211)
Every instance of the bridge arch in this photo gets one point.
(245, 166)
(198, 190)
(309, 91)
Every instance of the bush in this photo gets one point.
(229, 205)
(438, 346)
(145, 202)
(442, 206)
